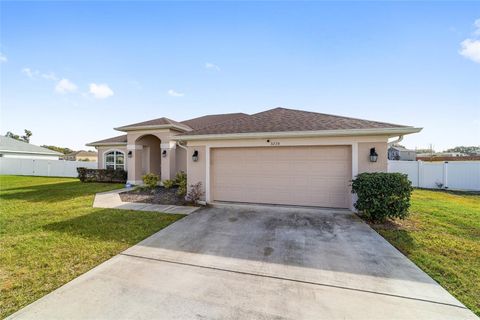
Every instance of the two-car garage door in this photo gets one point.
(308, 176)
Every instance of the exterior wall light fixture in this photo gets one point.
(130, 154)
(373, 155)
(195, 156)
(164, 153)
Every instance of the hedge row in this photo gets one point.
(102, 175)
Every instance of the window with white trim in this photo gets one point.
(115, 160)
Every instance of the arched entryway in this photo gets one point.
(150, 154)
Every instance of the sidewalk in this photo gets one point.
(111, 199)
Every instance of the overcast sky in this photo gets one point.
(71, 71)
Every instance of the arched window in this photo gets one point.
(115, 160)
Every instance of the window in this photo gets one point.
(115, 160)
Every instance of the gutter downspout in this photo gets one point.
(181, 146)
(400, 138)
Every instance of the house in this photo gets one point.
(81, 156)
(278, 156)
(13, 148)
(401, 153)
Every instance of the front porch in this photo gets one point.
(153, 152)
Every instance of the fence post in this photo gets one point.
(419, 173)
(445, 175)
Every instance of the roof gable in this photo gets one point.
(160, 122)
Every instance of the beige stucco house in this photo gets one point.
(279, 156)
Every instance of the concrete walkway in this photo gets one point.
(112, 200)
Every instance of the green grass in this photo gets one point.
(442, 236)
(50, 234)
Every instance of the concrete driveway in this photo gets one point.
(255, 262)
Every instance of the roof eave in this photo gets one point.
(153, 127)
(53, 153)
(99, 144)
(390, 132)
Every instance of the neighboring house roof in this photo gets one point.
(400, 148)
(205, 121)
(289, 120)
(110, 141)
(82, 153)
(15, 146)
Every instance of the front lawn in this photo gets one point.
(50, 234)
(442, 236)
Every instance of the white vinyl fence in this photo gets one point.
(38, 167)
(454, 175)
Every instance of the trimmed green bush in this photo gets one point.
(168, 183)
(382, 195)
(151, 180)
(181, 182)
(102, 175)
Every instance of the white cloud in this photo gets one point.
(477, 26)
(65, 86)
(3, 58)
(174, 93)
(49, 76)
(30, 73)
(100, 91)
(35, 74)
(471, 49)
(213, 66)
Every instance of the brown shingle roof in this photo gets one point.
(282, 120)
(119, 139)
(154, 122)
(205, 121)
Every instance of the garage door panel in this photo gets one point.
(317, 176)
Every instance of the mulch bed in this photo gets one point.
(159, 195)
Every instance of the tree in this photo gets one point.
(24, 138)
(27, 136)
(58, 149)
(472, 150)
(10, 134)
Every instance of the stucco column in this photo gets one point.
(134, 164)
(168, 168)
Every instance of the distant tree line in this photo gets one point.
(58, 149)
(471, 151)
(468, 150)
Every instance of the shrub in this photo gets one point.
(382, 195)
(181, 182)
(102, 175)
(168, 183)
(150, 180)
(195, 193)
